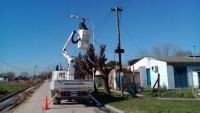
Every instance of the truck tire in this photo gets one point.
(85, 101)
(56, 101)
(80, 101)
(53, 93)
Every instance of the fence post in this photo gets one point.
(158, 82)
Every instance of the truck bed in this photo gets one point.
(71, 85)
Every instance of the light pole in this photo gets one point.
(73, 16)
(93, 69)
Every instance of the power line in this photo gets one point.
(108, 16)
(130, 37)
(127, 5)
(15, 66)
(113, 51)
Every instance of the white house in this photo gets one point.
(174, 71)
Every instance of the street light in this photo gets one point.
(73, 16)
(93, 69)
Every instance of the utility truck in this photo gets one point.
(63, 84)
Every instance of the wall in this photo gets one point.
(170, 74)
(195, 79)
(143, 77)
(190, 70)
(148, 62)
(140, 63)
(162, 70)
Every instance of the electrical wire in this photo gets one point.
(15, 66)
(112, 51)
(130, 37)
(108, 16)
(127, 5)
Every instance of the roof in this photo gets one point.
(180, 60)
(125, 68)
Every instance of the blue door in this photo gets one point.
(148, 77)
(180, 77)
(118, 79)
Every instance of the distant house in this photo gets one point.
(2, 79)
(114, 77)
(174, 71)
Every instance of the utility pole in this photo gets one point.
(119, 50)
(34, 73)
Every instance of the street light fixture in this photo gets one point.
(73, 16)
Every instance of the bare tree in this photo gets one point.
(51, 68)
(2, 74)
(142, 53)
(24, 74)
(164, 50)
(91, 60)
(101, 67)
(86, 63)
(181, 52)
(10, 75)
(43, 75)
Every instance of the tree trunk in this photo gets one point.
(105, 85)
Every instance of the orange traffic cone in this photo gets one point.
(45, 103)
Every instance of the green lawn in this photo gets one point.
(7, 89)
(149, 105)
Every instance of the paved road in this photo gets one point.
(34, 104)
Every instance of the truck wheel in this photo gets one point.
(52, 93)
(80, 101)
(85, 101)
(56, 101)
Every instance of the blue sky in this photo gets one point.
(33, 32)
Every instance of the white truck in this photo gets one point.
(63, 84)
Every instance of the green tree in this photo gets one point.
(112, 63)
(133, 61)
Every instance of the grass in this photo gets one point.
(7, 89)
(149, 105)
(164, 93)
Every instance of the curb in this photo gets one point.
(113, 109)
(177, 98)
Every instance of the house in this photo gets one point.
(175, 71)
(114, 77)
(2, 79)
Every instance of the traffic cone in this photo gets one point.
(45, 103)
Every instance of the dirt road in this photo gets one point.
(34, 104)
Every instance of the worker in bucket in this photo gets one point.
(82, 25)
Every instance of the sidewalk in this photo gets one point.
(126, 93)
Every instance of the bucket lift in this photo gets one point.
(83, 43)
(84, 36)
